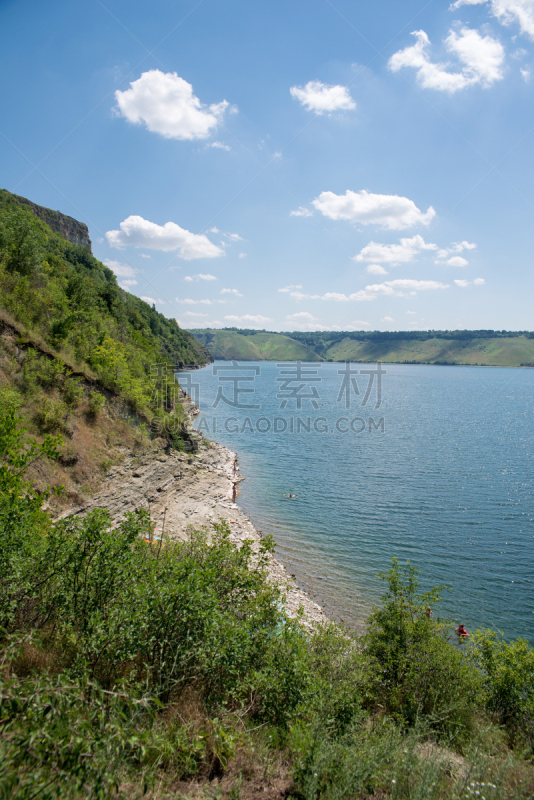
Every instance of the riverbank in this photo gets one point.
(185, 492)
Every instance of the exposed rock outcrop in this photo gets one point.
(68, 227)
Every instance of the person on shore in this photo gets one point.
(461, 631)
(428, 612)
(234, 492)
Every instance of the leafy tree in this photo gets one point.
(417, 671)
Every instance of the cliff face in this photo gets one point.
(72, 230)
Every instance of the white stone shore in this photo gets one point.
(189, 491)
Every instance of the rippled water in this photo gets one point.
(447, 483)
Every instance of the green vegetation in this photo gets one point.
(130, 666)
(68, 300)
(483, 348)
(73, 344)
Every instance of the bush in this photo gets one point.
(507, 670)
(415, 670)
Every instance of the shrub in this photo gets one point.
(415, 670)
(507, 670)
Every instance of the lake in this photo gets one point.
(430, 464)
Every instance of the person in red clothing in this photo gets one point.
(461, 631)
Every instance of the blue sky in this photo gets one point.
(290, 166)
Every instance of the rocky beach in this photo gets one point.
(186, 492)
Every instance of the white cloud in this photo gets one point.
(138, 232)
(121, 270)
(188, 301)
(507, 12)
(411, 312)
(194, 314)
(126, 284)
(394, 253)
(322, 98)
(145, 255)
(387, 319)
(457, 261)
(200, 277)
(242, 255)
(231, 291)
(389, 211)
(234, 237)
(290, 287)
(359, 323)
(301, 211)
(301, 316)
(166, 104)
(376, 269)
(526, 75)
(481, 61)
(479, 282)
(219, 146)
(213, 230)
(149, 300)
(395, 288)
(462, 283)
(255, 319)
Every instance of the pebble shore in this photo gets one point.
(189, 491)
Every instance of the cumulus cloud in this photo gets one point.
(301, 316)
(200, 277)
(165, 103)
(507, 12)
(242, 255)
(301, 211)
(255, 319)
(149, 300)
(322, 98)
(219, 146)
(387, 319)
(376, 269)
(234, 237)
(231, 291)
(388, 211)
(403, 252)
(481, 60)
(447, 254)
(395, 288)
(291, 287)
(121, 270)
(190, 302)
(138, 232)
(411, 312)
(477, 282)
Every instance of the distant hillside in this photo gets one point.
(482, 348)
(254, 346)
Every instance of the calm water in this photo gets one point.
(441, 473)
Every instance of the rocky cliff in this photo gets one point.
(68, 227)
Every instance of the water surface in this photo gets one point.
(440, 473)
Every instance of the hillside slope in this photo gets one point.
(481, 348)
(254, 346)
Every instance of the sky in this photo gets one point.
(318, 165)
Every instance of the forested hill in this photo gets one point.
(52, 284)
(476, 347)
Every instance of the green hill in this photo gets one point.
(482, 348)
(78, 354)
(254, 346)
